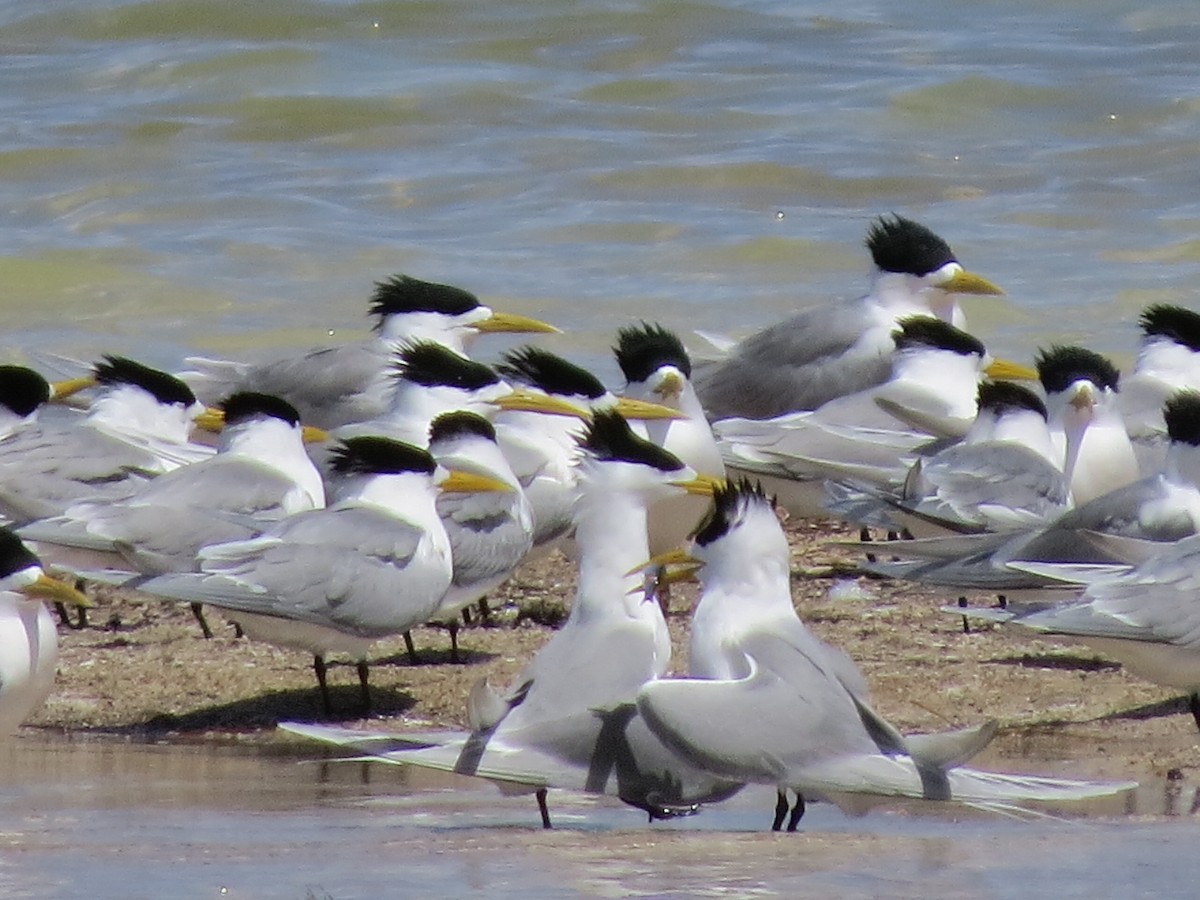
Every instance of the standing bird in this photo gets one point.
(780, 707)
(657, 369)
(375, 562)
(28, 638)
(137, 427)
(490, 532)
(261, 473)
(873, 435)
(820, 354)
(334, 386)
(567, 720)
(1168, 361)
(1086, 426)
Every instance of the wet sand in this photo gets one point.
(158, 754)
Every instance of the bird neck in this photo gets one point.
(610, 532)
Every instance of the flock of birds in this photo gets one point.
(357, 491)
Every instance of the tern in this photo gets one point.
(490, 532)
(28, 637)
(1168, 361)
(374, 562)
(334, 386)
(567, 720)
(778, 706)
(1147, 619)
(657, 369)
(873, 435)
(261, 473)
(137, 427)
(820, 354)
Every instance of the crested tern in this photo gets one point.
(824, 353)
(28, 637)
(337, 385)
(780, 707)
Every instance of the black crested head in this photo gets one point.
(1006, 396)
(729, 506)
(934, 334)
(903, 246)
(379, 456)
(246, 405)
(610, 439)
(404, 294)
(549, 372)
(642, 349)
(430, 364)
(1182, 414)
(22, 390)
(1173, 322)
(14, 555)
(1059, 367)
(458, 424)
(166, 389)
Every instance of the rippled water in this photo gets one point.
(189, 175)
(100, 819)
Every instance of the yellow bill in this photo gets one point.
(1011, 371)
(964, 282)
(47, 588)
(460, 482)
(510, 323)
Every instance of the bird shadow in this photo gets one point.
(1065, 662)
(267, 710)
(1172, 706)
(437, 656)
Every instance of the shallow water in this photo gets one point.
(102, 818)
(182, 175)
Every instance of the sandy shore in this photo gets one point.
(140, 668)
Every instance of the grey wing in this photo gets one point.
(45, 470)
(1142, 510)
(358, 569)
(227, 483)
(1154, 602)
(797, 364)
(490, 533)
(995, 484)
(788, 713)
(329, 387)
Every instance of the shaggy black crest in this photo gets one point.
(1182, 412)
(460, 423)
(167, 389)
(548, 372)
(22, 390)
(247, 404)
(432, 365)
(1003, 396)
(729, 507)
(926, 331)
(642, 349)
(904, 246)
(1060, 366)
(403, 294)
(1173, 322)
(14, 555)
(609, 438)
(379, 456)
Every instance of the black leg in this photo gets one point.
(1194, 706)
(962, 604)
(319, 668)
(198, 612)
(864, 537)
(485, 611)
(466, 614)
(411, 648)
(543, 809)
(454, 642)
(364, 689)
(797, 812)
(781, 808)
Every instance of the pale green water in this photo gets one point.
(181, 175)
